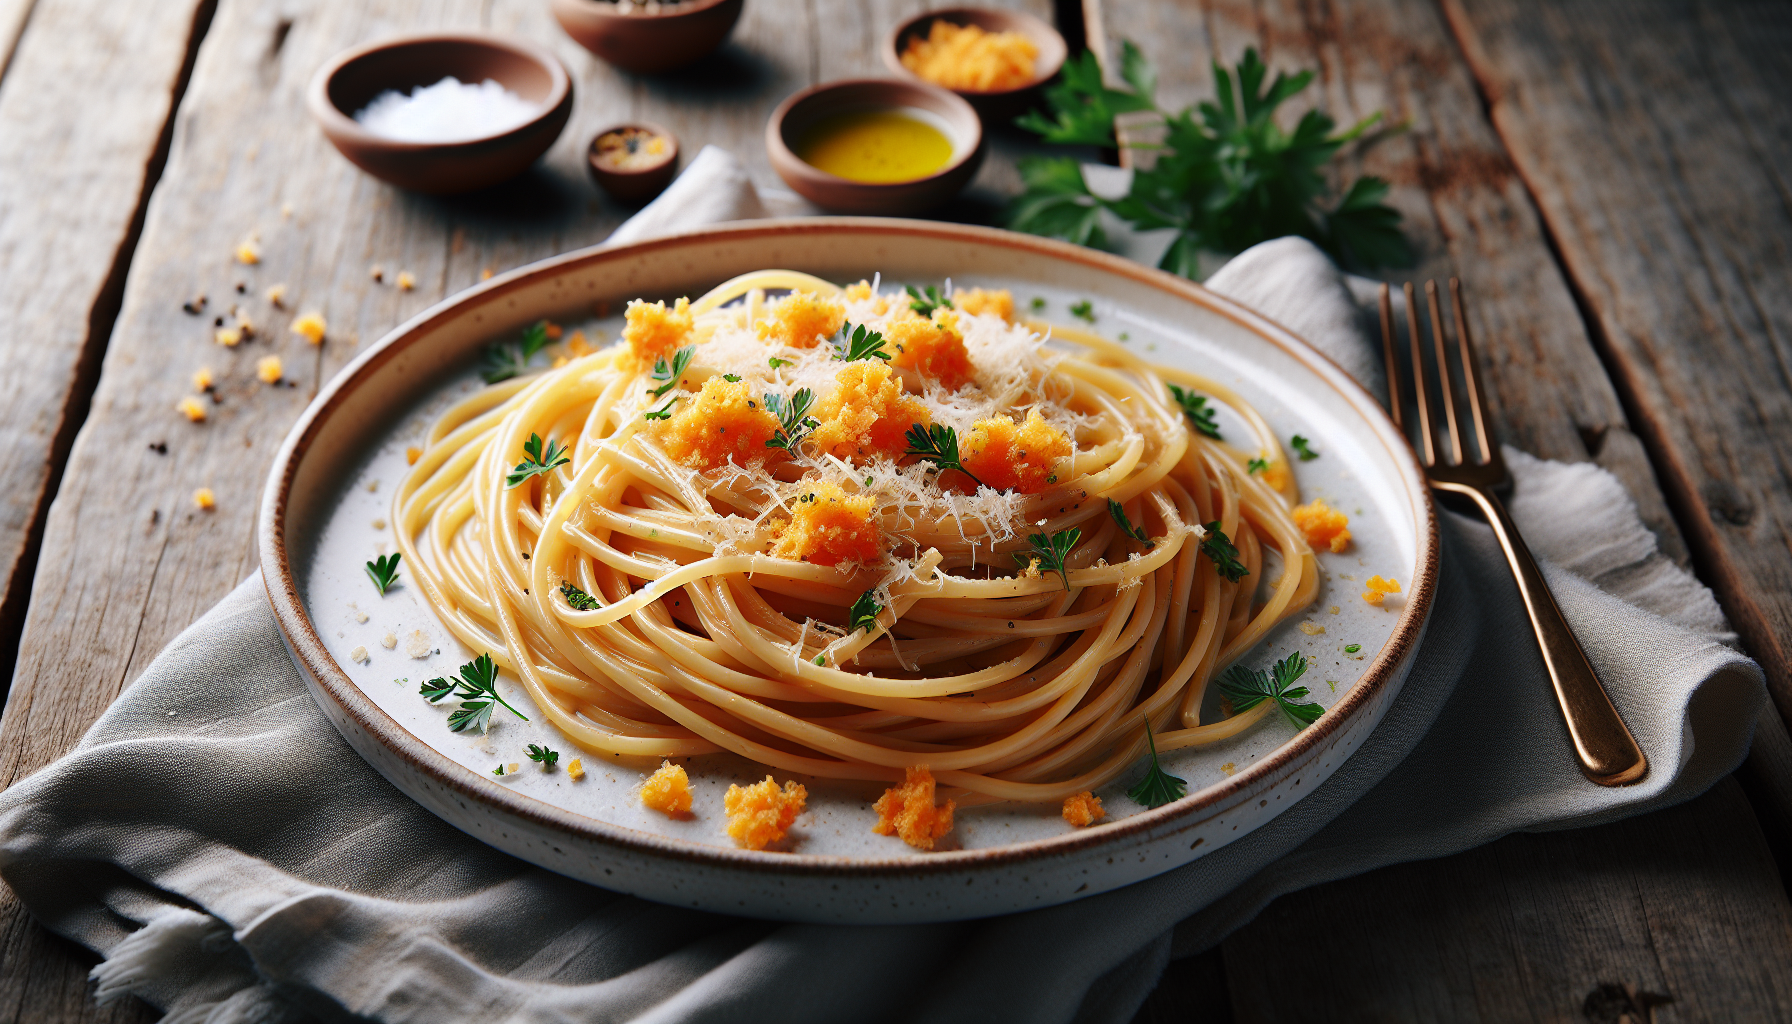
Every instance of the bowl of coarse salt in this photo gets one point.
(443, 112)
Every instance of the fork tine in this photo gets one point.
(1446, 382)
(1471, 373)
(1428, 445)
(1387, 355)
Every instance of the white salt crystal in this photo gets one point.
(448, 111)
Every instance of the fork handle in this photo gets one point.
(1608, 753)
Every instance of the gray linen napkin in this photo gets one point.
(235, 861)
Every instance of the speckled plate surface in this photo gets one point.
(327, 503)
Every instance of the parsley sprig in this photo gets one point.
(537, 462)
(926, 300)
(1301, 447)
(1050, 551)
(543, 756)
(477, 691)
(1227, 176)
(1158, 787)
(664, 412)
(669, 376)
(577, 599)
(1198, 412)
(503, 362)
(864, 612)
(794, 421)
(861, 342)
(384, 571)
(1135, 532)
(1246, 689)
(939, 445)
(1256, 466)
(1218, 547)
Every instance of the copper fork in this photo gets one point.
(1608, 753)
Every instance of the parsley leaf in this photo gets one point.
(1218, 547)
(1158, 787)
(859, 343)
(384, 571)
(543, 756)
(1050, 551)
(939, 445)
(1082, 105)
(536, 462)
(776, 363)
(669, 376)
(1246, 689)
(1257, 465)
(477, 691)
(1084, 310)
(664, 412)
(927, 300)
(1126, 527)
(732, 378)
(864, 612)
(503, 362)
(793, 417)
(1195, 407)
(577, 599)
(1353, 648)
(1037, 304)
(1300, 444)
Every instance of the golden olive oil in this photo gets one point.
(876, 146)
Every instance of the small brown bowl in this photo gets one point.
(890, 199)
(648, 44)
(634, 184)
(352, 79)
(995, 103)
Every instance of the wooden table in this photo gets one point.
(1609, 179)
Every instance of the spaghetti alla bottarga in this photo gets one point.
(843, 533)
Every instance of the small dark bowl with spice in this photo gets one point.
(633, 162)
(648, 38)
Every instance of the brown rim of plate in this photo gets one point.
(1187, 812)
(983, 17)
(323, 108)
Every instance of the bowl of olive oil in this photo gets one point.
(875, 146)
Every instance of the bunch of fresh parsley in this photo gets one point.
(1227, 176)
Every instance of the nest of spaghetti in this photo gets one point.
(846, 533)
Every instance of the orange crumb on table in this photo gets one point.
(406, 281)
(277, 296)
(725, 421)
(668, 790)
(412, 454)
(202, 379)
(971, 57)
(931, 347)
(1083, 809)
(1378, 589)
(1010, 456)
(976, 301)
(229, 337)
(1324, 526)
(828, 526)
(575, 769)
(205, 499)
(310, 326)
(248, 253)
(268, 368)
(191, 409)
(867, 414)
(760, 814)
(802, 320)
(908, 811)
(654, 332)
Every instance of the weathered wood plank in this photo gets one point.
(1655, 137)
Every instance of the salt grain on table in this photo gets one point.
(448, 111)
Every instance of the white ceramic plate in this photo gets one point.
(327, 500)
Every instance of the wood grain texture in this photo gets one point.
(1656, 139)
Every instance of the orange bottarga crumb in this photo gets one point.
(867, 414)
(1083, 809)
(1378, 589)
(577, 345)
(908, 811)
(802, 320)
(829, 526)
(668, 790)
(724, 421)
(976, 301)
(1323, 525)
(1276, 475)
(862, 291)
(655, 332)
(759, 815)
(933, 348)
(971, 57)
(1010, 456)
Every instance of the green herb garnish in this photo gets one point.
(669, 376)
(477, 691)
(1300, 446)
(1158, 787)
(1353, 648)
(1227, 176)
(1135, 532)
(926, 300)
(821, 659)
(1195, 407)
(1084, 310)
(1257, 466)
(864, 612)
(498, 770)
(577, 599)
(503, 362)
(793, 418)
(732, 378)
(859, 343)
(543, 756)
(1246, 689)
(938, 445)
(384, 571)
(536, 462)
(1037, 304)
(1050, 551)
(664, 412)
(1218, 547)
(777, 364)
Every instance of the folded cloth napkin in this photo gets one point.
(233, 859)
